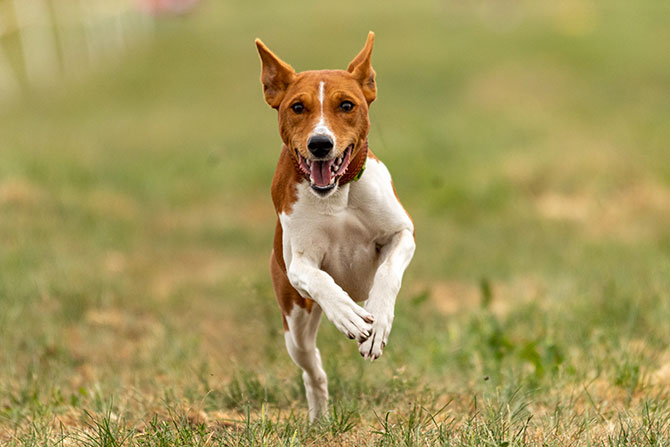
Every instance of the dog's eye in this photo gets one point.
(346, 106)
(298, 107)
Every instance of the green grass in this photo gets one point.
(529, 143)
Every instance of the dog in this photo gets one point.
(342, 237)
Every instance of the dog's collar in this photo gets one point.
(354, 170)
(356, 166)
(360, 173)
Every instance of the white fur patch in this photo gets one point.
(334, 247)
(321, 128)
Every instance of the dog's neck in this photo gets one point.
(354, 171)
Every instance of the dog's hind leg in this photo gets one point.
(301, 345)
(301, 324)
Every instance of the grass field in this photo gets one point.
(529, 142)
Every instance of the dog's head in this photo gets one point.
(323, 114)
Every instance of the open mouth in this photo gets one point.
(323, 174)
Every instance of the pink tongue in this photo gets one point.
(320, 172)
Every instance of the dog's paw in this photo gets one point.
(352, 320)
(372, 347)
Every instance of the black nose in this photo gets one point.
(319, 145)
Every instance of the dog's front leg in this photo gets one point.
(395, 257)
(310, 281)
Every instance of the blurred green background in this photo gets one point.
(528, 140)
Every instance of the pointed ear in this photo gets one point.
(362, 70)
(276, 75)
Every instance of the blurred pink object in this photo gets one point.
(157, 7)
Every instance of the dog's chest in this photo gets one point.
(342, 234)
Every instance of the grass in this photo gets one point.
(528, 142)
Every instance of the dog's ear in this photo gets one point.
(362, 70)
(276, 75)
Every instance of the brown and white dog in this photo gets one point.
(342, 236)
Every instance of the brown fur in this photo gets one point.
(286, 177)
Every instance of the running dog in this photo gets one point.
(342, 237)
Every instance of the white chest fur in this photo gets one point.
(342, 234)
